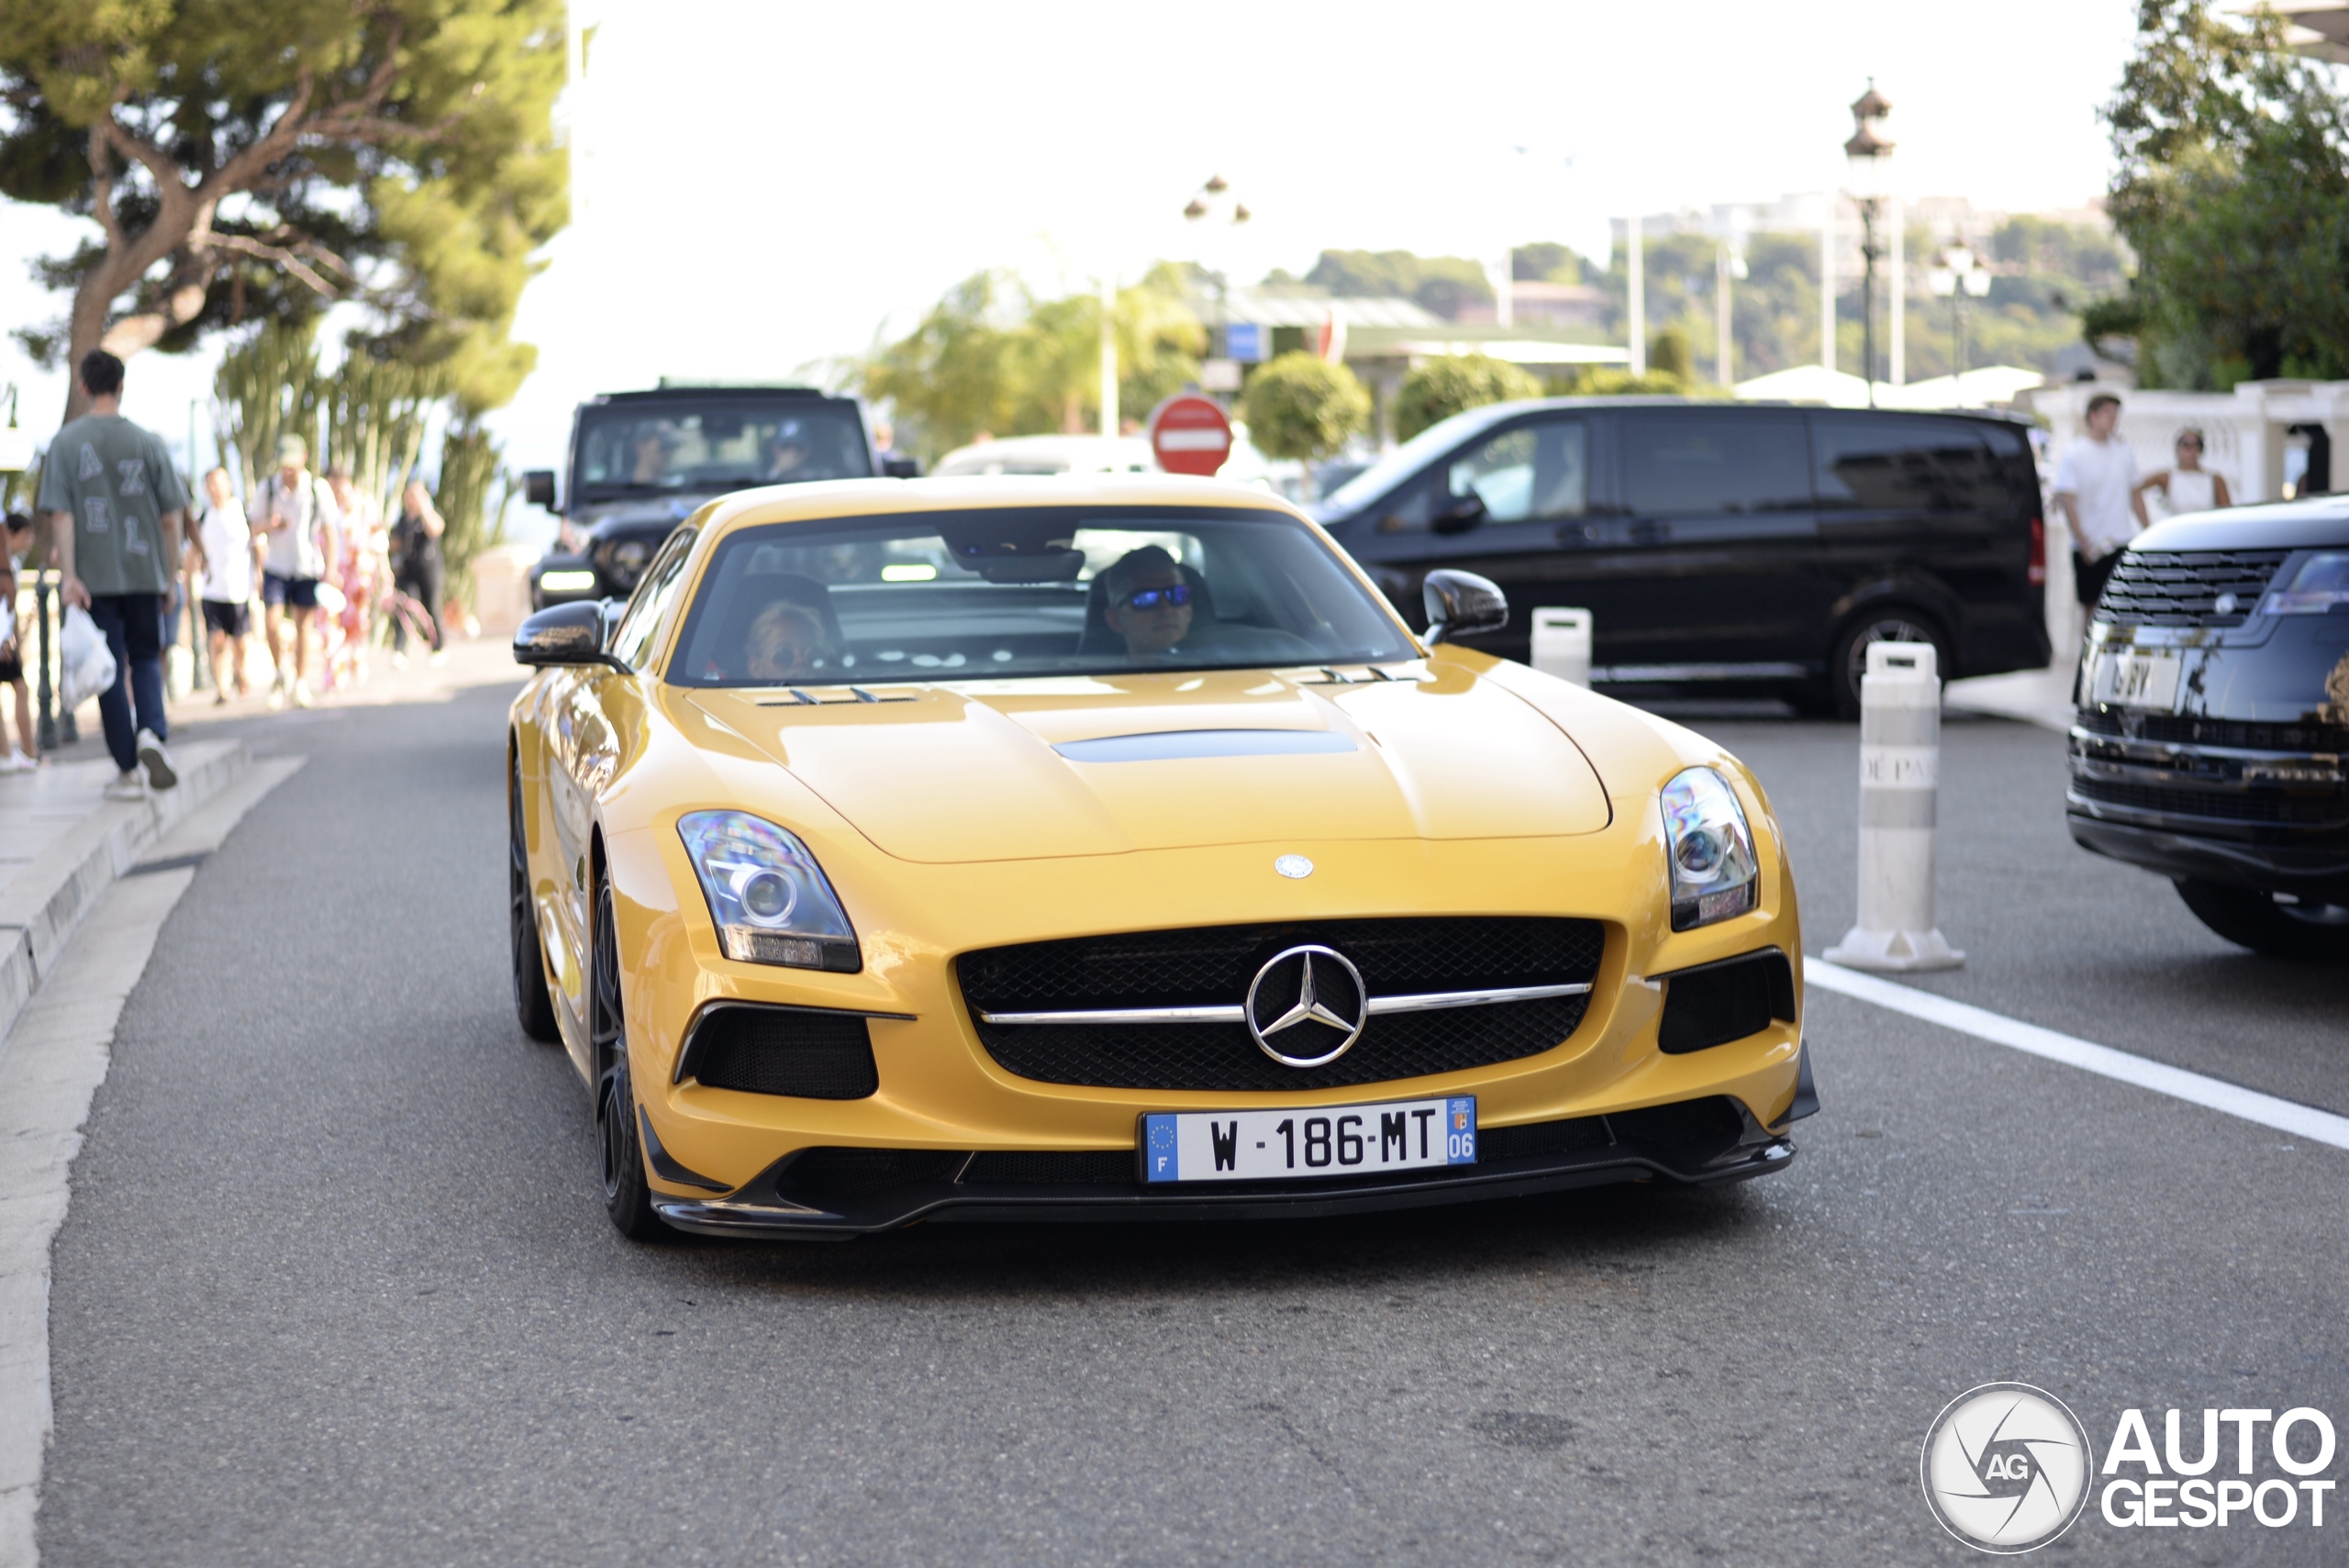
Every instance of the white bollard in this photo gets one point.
(1562, 644)
(1901, 754)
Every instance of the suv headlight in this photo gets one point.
(1714, 871)
(767, 894)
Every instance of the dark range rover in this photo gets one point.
(1722, 547)
(2213, 721)
(643, 461)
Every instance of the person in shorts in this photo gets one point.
(295, 517)
(223, 586)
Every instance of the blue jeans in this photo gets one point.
(133, 624)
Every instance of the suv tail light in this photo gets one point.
(2036, 573)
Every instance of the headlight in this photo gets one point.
(767, 894)
(2319, 587)
(1713, 865)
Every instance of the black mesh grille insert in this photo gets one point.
(1091, 1167)
(2183, 587)
(822, 1175)
(1543, 1137)
(2226, 805)
(1213, 965)
(1721, 1002)
(777, 1050)
(1692, 1131)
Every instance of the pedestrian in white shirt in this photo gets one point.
(2096, 484)
(296, 519)
(2188, 487)
(224, 584)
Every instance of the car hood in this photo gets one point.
(1034, 769)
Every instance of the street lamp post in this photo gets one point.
(1214, 200)
(1959, 278)
(1728, 266)
(1866, 157)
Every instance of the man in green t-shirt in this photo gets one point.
(115, 506)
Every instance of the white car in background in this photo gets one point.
(1088, 454)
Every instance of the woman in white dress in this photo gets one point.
(2188, 487)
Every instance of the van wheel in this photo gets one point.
(2267, 923)
(1849, 661)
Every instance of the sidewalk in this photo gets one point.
(2036, 696)
(62, 844)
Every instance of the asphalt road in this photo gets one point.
(336, 1286)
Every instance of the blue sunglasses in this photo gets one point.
(1151, 598)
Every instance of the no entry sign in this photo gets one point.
(1190, 435)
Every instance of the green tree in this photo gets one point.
(1435, 391)
(268, 158)
(1669, 355)
(2233, 188)
(1302, 406)
(1444, 284)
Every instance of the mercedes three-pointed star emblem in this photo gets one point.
(1329, 992)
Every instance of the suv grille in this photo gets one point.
(2229, 806)
(2232, 733)
(2182, 587)
(1213, 965)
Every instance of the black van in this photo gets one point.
(1722, 547)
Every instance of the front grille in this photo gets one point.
(2227, 806)
(2182, 587)
(1212, 966)
(2237, 734)
(782, 1050)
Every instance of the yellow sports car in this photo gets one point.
(962, 849)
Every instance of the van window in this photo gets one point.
(1693, 463)
(1535, 471)
(1907, 462)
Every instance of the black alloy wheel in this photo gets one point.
(1896, 623)
(2265, 923)
(533, 1007)
(626, 1198)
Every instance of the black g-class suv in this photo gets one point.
(643, 461)
(2213, 721)
(1722, 547)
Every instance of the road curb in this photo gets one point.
(43, 904)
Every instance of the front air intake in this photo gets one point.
(1714, 1004)
(800, 1051)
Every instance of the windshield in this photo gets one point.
(1375, 480)
(1031, 591)
(716, 443)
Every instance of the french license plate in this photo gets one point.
(2137, 677)
(1326, 1140)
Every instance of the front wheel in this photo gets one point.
(626, 1198)
(2267, 924)
(1849, 663)
(533, 1007)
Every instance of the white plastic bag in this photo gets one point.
(87, 662)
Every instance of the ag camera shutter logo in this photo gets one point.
(2006, 1467)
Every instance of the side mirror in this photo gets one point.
(901, 468)
(563, 635)
(1463, 512)
(538, 488)
(1461, 603)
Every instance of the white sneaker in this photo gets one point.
(439, 658)
(128, 786)
(14, 762)
(156, 761)
(302, 697)
(276, 698)
(399, 660)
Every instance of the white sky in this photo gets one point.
(766, 184)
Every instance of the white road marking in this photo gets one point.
(2284, 1115)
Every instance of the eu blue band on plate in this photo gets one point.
(1164, 1153)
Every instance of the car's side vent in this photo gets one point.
(1714, 1004)
(780, 1051)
